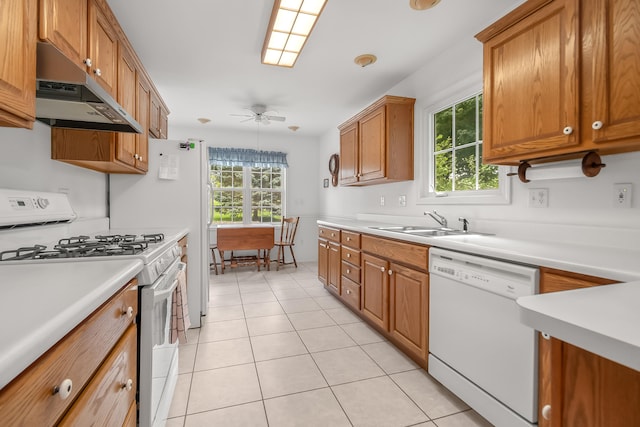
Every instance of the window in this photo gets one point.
(456, 173)
(248, 186)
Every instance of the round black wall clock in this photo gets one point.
(334, 166)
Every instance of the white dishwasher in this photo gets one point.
(478, 348)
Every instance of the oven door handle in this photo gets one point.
(165, 293)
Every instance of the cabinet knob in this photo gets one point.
(382, 269)
(135, 156)
(546, 412)
(597, 125)
(64, 389)
(128, 385)
(140, 158)
(348, 291)
(128, 312)
(568, 130)
(390, 272)
(333, 235)
(348, 255)
(348, 239)
(348, 271)
(87, 62)
(97, 72)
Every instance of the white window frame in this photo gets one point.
(427, 195)
(246, 196)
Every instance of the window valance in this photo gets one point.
(247, 157)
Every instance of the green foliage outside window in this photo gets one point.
(457, 151)
(230, 193)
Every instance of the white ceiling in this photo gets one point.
(204, 55)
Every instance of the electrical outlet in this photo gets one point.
(402, 200)
(381, 200)
(538, 197)
(622, 195)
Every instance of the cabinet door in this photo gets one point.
(375, 290)
(409, 294)
(107, 398)
(126, 142)
(63, 23)
(334, 266)
(349, 154)
(612, 69)
(103, 49)
(18, 70)
(580, 387)
(164, 123)
(531, 86)
(372, 145)
(323, 259)
(143, 96)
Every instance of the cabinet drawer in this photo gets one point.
(351, 272)
(351, 239)
(351, 293)
(108, 397)
(328, 233)
(351, 256)
(400, 252)
(29, 400)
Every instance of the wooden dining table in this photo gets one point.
(245, 238)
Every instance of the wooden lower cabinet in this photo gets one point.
(329, 264)
(375, 290)
(577, 387)
(96, 359)
(108, 397)
(409, 307)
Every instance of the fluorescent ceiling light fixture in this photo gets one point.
(291, 23)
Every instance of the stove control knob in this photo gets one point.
(43, 203)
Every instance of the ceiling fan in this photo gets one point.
(259, 115)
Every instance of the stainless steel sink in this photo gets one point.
(417, 230)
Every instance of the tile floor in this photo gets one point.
(276, 349)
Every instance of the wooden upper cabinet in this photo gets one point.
(372, 145)
(143, 95)
(611, 76)
(126, 142)
(63, 23)
(559, 80)
(349, 154)
(18, 70)
(530, 85)
(376, 146)
(580, 387)
(158, 123)
(103, 49)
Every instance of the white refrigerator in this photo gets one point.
(173, 194)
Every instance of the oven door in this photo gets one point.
(158, 357)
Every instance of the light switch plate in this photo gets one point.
(381, 200)
(622, 195)
(402, 200)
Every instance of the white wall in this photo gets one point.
(303, 182)
(584, 201)
(25, 164)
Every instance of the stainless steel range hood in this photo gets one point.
(68, 97)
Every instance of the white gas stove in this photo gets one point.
(39, 227)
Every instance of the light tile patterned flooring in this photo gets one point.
(276, 349)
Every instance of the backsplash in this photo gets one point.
(25, 164)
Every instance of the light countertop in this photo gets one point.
(615, 264)
(41, 303)
(600, 319)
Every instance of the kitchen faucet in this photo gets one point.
(438, 218)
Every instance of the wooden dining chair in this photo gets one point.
(214, 264)
(287, 237)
